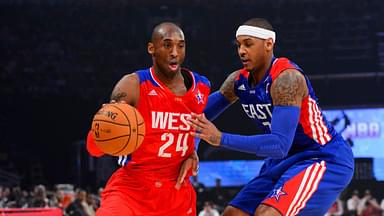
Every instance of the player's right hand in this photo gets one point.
(192, 162)
(91, 146)
(204, 129)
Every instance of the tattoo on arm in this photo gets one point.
(289, 88)
(227, 88)
(118, 95)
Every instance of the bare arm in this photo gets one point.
(289, 89)
(127, 90)
(227, 88)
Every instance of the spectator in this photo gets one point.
(39, 199)
(91, 206)
(218, 196)
(209, 210)
(200, 191)
(79, 206)
(353, 203)
(4, 196)
(372, 208)
(17, 199)
(368, 205)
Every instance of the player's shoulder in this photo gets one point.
(143, 74)
(283, 62)
(281, 65)
(235, 75)
(130, 78)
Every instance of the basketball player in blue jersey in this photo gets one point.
(307, 162)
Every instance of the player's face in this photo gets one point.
(169, 51)
(252, 52)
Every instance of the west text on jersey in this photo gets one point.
(170, 120)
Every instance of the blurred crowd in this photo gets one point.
(76, 202)
(211, 201)
(358, 205)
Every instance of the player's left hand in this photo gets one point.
(192, 162)
(205, 129)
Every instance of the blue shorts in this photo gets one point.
(306, 183)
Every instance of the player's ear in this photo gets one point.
(268, 44)
(151, 48)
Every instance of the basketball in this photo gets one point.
(118, 129)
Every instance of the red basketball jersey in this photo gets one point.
(167, 141)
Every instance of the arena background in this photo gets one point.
(59, 60)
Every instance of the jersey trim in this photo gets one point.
(159, 83)
(283, 64)
(243, 73)
(312, 121)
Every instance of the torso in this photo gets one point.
(167, 142)
(313, 129)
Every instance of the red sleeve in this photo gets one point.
(91, 146)
(281, 65)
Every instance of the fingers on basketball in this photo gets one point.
(118, 129)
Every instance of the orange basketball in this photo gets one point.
(118, 129)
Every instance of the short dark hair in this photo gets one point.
(169, 25)
(259, 22)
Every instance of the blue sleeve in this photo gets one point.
(197, 143)
(276, 144)
(217, 103)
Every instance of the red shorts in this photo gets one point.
(131, 195)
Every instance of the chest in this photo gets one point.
(257, 101)
(168, 106)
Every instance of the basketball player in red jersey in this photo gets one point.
(155, 181)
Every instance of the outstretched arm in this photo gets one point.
(220, 100)
(288, 91)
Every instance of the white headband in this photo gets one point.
(256, 32)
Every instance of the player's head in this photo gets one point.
(255, 39)
(167, 47)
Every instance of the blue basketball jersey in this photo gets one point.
(313, 130)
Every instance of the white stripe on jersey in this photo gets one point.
(319, 123)
(312, 124)
(326, 134)
(316, 119)
(313, 188)
(307, 187)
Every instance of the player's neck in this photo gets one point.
(173, 81)
(166, 78)
(259, 73)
